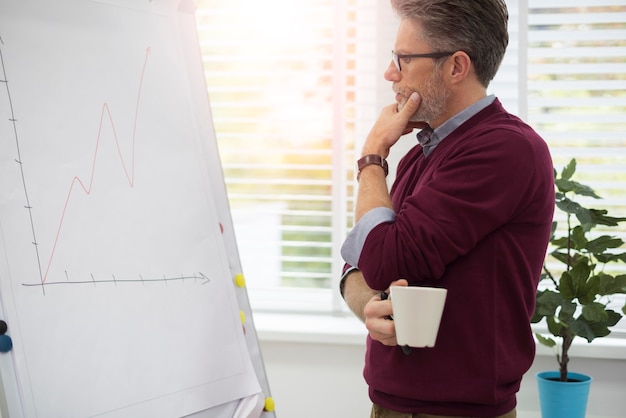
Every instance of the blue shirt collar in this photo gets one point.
(429, 138)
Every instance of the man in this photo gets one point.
(470, 211)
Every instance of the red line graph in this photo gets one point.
(77, 182)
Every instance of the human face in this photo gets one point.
(418, 74)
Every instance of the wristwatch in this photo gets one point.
(370, 159)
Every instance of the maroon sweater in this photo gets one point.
(475, 218)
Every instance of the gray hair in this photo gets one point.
(476, 27)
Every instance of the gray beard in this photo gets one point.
(434, 99)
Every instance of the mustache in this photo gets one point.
(404, 92)
(399, 90)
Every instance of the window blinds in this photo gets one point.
(577, 98)
(280, 76)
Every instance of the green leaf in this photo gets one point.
(568, 206)
(598, 217)
(563, 185)
(547, 303)
(587, 294)
(581, 270)
(573, 283)
(603, 243)
(582, 190)
(585, 218)
(563, 257)
(595, 312)
(579, 240)
(570, 186)
(560, 242)
(553, 326)
(567, 286)
(566, 314)
(611, 258)
(610, 285)
(613, 319)
(547, 341)
(569, 170)
(591, 329)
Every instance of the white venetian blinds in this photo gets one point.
(280, 76)
(577, 88)
(577, 97)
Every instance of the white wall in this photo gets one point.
(321, 380)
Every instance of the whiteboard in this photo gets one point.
(117, 252)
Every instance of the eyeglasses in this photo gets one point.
(396, 57)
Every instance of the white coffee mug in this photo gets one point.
(417, 313)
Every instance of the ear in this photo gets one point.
(461, 65)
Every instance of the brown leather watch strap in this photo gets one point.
(371, 159)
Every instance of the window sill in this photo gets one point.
(346, 329)
(295, 327)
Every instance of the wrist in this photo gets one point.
(373, 150)
(342, 282)
(373, 147)
(372, 159)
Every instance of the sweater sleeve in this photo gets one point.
(353, 245)
(472, 185)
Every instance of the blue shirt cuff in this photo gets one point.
(353, 245)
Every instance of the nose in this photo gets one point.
(392, 73)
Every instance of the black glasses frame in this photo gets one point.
(397, 57)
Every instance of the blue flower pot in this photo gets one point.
(563, 399)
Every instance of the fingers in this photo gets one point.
(384, 333)
(411, 106)
(377, 321)
(391, 125)
(408, 110)
(399, 282)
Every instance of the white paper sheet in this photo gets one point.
(114, 277)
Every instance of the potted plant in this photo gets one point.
(575, 303)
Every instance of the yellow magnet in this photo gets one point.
(269, 405)
(240, 281)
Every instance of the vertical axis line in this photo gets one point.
(28, 206)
